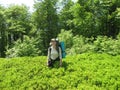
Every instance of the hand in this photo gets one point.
(48, 62)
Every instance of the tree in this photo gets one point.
(18, 22)
(3, 37)
(84, 22)
(65, 15)
(107, 10)
(79, 17)
(93, 17)
(46, 21)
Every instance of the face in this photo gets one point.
(53, 43)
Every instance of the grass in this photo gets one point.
(87, 71)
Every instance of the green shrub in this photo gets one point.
(104, 44)
(25, 48)
(74, 45)
(67, 37)
(88, 71)
(80, 44)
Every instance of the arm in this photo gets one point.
(60, 55)
(48, 56)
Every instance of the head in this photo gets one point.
(53, 42)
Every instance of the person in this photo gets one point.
(54, 53)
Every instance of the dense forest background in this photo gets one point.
(84, 26)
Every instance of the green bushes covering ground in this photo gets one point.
(88, 71)
(77, 20)
(80, 44)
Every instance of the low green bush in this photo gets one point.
(67, 37)
(25, 48)
(80, 44)
(88, 71)
(103, 44)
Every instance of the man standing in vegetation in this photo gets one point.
(54, 53)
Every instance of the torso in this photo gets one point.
(54, 53)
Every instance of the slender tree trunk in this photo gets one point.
(3, 43)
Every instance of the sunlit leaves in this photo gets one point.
(83, 71)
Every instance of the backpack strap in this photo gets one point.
(49, 50)
(58, 50)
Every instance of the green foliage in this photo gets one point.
(66, 36)
(25, 48)
(81, 19)
(18, 20)
(3, 36)
(75, 44)
(107, 45)
(41, 42)
(80, 72)
(79, 44)
(65, 15)
(92, 17)
(45, 19)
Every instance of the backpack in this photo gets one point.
(62, 46)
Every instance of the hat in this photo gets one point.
(52, 40)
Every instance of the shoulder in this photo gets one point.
(49, 48)
(59, 48)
